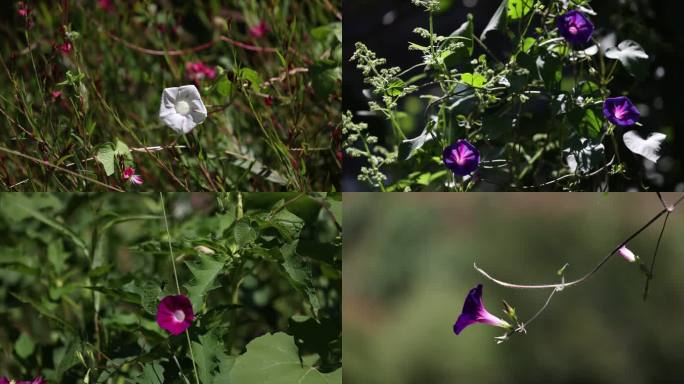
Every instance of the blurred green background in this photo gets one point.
(408, 267)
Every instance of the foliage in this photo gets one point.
(84, 81)
(532, 105)
(82, 275)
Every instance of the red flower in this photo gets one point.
(23, 9)
(65, 48)
(258, 31)
(106, 5)
(197, 71)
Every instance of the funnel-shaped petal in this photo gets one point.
(475, 312)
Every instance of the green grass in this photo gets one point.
(273, 105)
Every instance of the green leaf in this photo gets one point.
(149, 292)
(209, 352)
(518, 9)
(57, 256)
(324, 77)
(464, 35)
(121, 149)
(474, 80)
(244, 233)
(24, 346)
(632, 57)
(253, 77)
(224, 87)
(395, 88)
(105, 156)
(274, 359)
(205, 272)
(300, 273)
(498, 22)
(152, 374)
(287, 223)
(591, 124)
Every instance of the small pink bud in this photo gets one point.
(55, 95)
(65, 48)
(627, 254)
(259, 30)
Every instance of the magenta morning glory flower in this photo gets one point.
(575, 27)
(461, 157)
(620, 111)
(475, 312)
(37, 380)
(627, 254)
(174, 314)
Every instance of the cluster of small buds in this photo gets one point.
(429, 5)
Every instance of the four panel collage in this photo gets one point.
(196, 192)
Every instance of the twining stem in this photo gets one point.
(655, 253)
(175, 275)
(598, 266)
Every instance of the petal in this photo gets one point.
(179, 123)
(188, 92)
(462, 322)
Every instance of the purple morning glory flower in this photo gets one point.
(174, 314)
(461, 157)
(475, 312)
(575, 27)
(620, 111)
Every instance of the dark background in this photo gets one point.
(656, 25)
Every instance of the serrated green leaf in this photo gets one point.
(244, 233)
(152, 374)
(204, 272)
(209, 352)
(274, 359)
(518, 9)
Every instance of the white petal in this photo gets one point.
(648, 148)
(169, 115)
(179, 123)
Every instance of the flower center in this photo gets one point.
(573, 29)
(179, 315)
(620, 112)
(182, 107)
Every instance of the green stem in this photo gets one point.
(175, 275)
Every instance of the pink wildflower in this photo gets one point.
(55, 95)
(258, 31)
(106, 5)
(197, 71)
(130, 175)
(65, 48)
(174, 314)
(23, 9)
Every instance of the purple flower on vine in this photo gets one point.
(475, 312)
(575, 27)
(462, 158)
(620, 111)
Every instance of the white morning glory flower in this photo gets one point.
(182, 108)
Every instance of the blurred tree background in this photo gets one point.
(408, 265)
(386, 27)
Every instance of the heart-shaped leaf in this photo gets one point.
(631, 55)
(648, 148)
